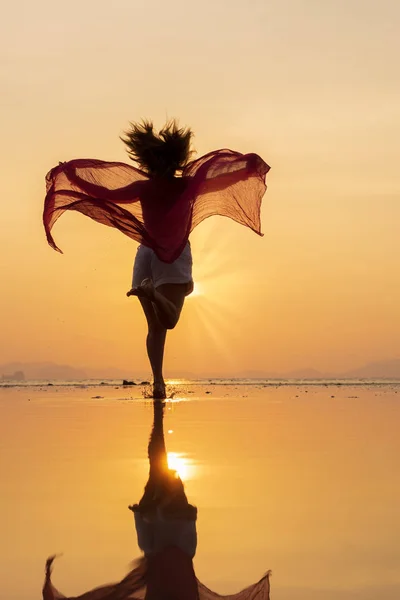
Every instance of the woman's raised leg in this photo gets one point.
(167, 300)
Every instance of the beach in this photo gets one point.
(300, 479)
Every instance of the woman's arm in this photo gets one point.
(189, 538)
(144, 531)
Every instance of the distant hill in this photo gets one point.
(43, 370)
(50, 370)
(306, 374)
(16, 376)
(384, 369)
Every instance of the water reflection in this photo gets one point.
(182, 465)
(166, 527)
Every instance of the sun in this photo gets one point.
(197, 290)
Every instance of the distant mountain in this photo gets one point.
(16, 376)
(252, 374)
(43, 370)
(109, 373)
(383, 369)
(50, 370)
(305, 374)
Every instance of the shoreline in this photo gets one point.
(176, 383)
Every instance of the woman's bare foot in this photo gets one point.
(159, 392)
(144, 290)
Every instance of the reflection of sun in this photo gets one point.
(180, 464)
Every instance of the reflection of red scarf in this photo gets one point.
(159, 213)
(167, 576)
(170, 576)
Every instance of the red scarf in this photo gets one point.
(168, 575)
(157, 212)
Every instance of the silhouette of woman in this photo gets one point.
(166, 525)
(166, 531)
(159, 209)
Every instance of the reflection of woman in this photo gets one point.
(166, 530)
(159, 209)
(166, 525)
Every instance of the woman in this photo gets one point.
(166, 531)
(158, 205)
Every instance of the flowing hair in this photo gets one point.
(161, 154)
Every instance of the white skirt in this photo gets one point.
(148, 265)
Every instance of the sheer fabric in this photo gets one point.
(157, 212)
(176, 581)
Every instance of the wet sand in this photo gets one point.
(301, 480)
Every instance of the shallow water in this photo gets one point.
(303, 480)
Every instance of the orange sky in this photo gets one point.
(314, 87)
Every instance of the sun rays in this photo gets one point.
(212, 318)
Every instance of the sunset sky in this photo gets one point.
(312, 86)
